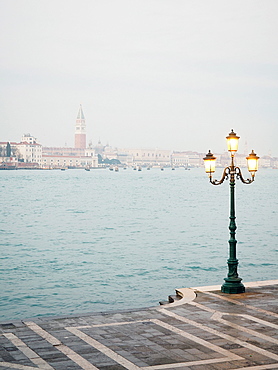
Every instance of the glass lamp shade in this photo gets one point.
(232, 141)
(252, 162)
(209, 160)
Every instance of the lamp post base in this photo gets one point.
(233, 286)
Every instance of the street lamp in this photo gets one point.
(232, 284)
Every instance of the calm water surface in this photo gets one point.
(78, 241)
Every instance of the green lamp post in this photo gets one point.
(232, 284)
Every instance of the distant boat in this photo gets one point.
(173, 168)
(117, 169)
(125, 167)
(111, 168)
(139, 168)
(63, 168)
(162, 169)
(148, 168)
(134, 168)
(87, 168)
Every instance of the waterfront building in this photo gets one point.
(56, 151)
(30, 151)
(61, 161)
(274, 163)
(147, 157)
(180, 159)
(187, 159)
(70, 157)
(266, 161)
(125, 158)
(80, 130)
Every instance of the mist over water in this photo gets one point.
(78, 241)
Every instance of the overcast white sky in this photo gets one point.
(171, 74)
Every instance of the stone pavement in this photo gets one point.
(204, 330)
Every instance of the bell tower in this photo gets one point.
(80, 130)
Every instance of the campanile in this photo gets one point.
(80, 130)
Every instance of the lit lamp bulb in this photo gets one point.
(232, 142)
(209, 163)
(252, 163)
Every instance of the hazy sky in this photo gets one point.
(171, 74)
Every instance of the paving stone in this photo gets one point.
(195, 336)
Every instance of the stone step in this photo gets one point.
(163, 302)
(172, 298)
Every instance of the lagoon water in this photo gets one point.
(77, 241)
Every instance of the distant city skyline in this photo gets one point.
(81, 141)
(148, 73)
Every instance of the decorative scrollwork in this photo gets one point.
(225, 176)
(239, 176)
(231, 170)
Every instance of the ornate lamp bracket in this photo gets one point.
(225, 176)
(239, 176)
